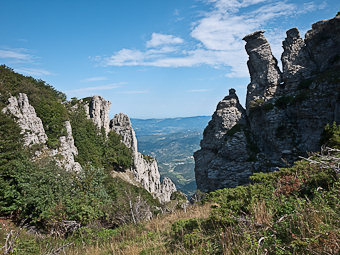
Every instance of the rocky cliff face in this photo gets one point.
(31, 126)
(285, 111)
(34, 133)
(67, 151)
(97, 109)
(145, 168)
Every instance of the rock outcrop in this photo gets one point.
(31, 126)
(145, 168)
(34, 134)
(264, 73)
(285, 111)
(224, 147)
(97, 109)
(66, 151)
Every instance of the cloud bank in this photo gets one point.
(217, 35)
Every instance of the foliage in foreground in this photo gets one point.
(291, 211)
(42, 194)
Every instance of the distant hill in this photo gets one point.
(172, 141)
(169, 125)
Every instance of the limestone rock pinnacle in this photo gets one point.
(285, 112)
(264, 73)
(97, 109)
(145, 168)
(31, 126)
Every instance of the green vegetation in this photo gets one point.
(331, 136)
(283, 101)
(291, 211)
(260, 104)
(256, 105)
(148, 158)
(94, 147)
(236, 128)
(46, 101)
(42, 194)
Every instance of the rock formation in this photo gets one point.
(222, 160)
(67, 151)
(264, 72)
(285, 111)
(33, 131)
(145, 168)
(97, 109)
(31, 126)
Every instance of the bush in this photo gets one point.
(236, 128)
(331, 136)
(94, 147)
(286, 210)
(283, 101)
(46, 101)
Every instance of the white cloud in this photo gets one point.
(217, 36)
(33, 71)
(163, 39)
(22, 56)
(101, 78)
(97, 88)
(15, 54)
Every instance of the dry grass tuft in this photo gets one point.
(262, 213)
(151, 238)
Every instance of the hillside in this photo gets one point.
(172, 142)
(63, 165)
(72, 181)
(291, 211)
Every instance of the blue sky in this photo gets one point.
(150, 58)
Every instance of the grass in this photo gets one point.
(291, 211)
(151, 237)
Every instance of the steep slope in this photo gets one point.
(285, 111)
(34, 133)
(145, 168)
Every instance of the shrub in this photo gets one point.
(283, 101)
(46, 101)
(94, 147)
(331, 136)
(236, 128)
(268, 107)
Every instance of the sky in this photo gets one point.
(150, 58)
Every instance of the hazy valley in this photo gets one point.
(172, 142)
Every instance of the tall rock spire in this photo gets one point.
(264, 73)
(145, 168)
(285, 112)
(222, 159)
(97, 109)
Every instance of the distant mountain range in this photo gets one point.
(172, 141)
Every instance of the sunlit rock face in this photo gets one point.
(34, 134)
(97, 109)
(31, 126)
(285, 111)
(145, 168)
